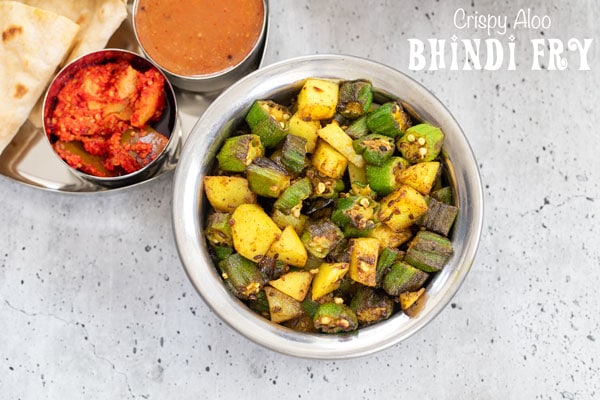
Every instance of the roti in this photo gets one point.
(34, 42)
(97, 20)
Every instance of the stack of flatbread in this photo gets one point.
(39, 36)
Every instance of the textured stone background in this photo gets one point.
(94, 303)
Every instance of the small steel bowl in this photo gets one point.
(280, 81)
(167, 125)
(213, 82)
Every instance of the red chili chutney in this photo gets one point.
(198, 37)
(100, 120)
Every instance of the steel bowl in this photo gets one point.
(168, 124)
(279, 81)
(217, 81)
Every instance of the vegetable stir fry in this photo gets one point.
(330, 213)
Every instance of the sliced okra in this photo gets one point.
(218, 230)
(293, 153)
(357, 211)
(320, 237)
(267, 178)
(371, 305)
(242, 276)
(269, 121)
(421, 143)
(334, 318)
(428, 251)
(355, 98)
(292, 197)
(403, 277)
(239, 151)
(375, 149)
(389, 120)
(439, 217)
(358, 128)
(384, 178)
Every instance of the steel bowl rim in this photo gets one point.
(188, 199)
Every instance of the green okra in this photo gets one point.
(428, 251)
(242, 276)
(389, 120)
(267, 178)
(334, 318)
(239, 151)
(321, 236)
(371, 305)
(439, 217)
(403, 277)
(268, 120)
(421, 143)
(357, 211)
(292, 197)
(218, 230)
(358, 128)
(384, 178)
(293, 153)
(387, 258)
(355, 98)
(375, 149)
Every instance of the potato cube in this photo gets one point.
(363, 260)
(420, 176)
(281, 306)
(400, 209)
(328, 278)
(339, 140)
(253, 231)
(226, 193)
(328, 161)
(289, 248)
(305, 129)
(295, 284)
(318, 99)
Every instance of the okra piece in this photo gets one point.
(324, 186)
(222, 252)
(242, 276)
(267, 178)
(371, 305)
(421, 143)
(384, 179)
(218, 230)
(271, 268)
(320, 237)
(428, 251)
(259, 304)
(389, 120)
(269, 121)
(293, 153)
(375, 149)
(444, 195)
(358, 128)
(357, 211)
(335, 318)
(282, 220)
(354, 98)
(403, 277)
(292, 197)
(239, 151)
(439, 217)
(387, 258)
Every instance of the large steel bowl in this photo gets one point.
(279, 81)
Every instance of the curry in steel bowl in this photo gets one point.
(331, 212)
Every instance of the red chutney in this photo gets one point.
(198, 37)
(100, 120)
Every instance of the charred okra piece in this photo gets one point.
(222, 252)
(320, 237)
(428, 251)
(242, 276)
(259, 304)
(324, 186)
(335, 318)
(386, 259)
(384, 178)
(218, 230)
(358, 128)
(439, 217)
(421, 143)
(357, 211)
(443, 195)
(269, 121)
(267, 178)
(239, 151)
(389, 120)
(371, 305)
(375, 149)
(354, 98)
(403, 277)
(293, 153)
(292, 197)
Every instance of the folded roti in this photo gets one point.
(34, 42)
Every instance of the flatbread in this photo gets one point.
(34, 42)
(97, 19)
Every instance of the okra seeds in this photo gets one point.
(331, 212)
